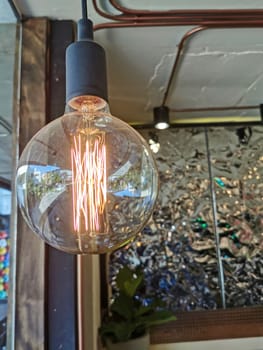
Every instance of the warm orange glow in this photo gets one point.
(88, 161)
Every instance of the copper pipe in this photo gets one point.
(107, 15)
(80, 306)
(112, 25)
(185, 17)
(208, 24)
(208, 13)
(187, 35)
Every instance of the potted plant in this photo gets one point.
(128, 322)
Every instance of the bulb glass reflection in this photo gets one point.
(87, 182)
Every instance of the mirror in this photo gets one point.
(8, 85)
(201, 252)
(202, 248)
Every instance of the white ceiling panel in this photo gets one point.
(220, 67)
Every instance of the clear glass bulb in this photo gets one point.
(87, 182)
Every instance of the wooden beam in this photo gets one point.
(30, 255)
(211, 325)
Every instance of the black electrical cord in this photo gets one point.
(85, 26)
(84, 9)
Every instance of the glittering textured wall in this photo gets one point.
(202, 248)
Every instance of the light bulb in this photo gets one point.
(87, 182)
(162, 125)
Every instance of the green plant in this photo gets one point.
(128, 318)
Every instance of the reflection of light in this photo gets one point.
(49, 198)
(22, 170)
(88, 162)
(36, 168)
(155, 147)
(122, 170)
(154, 142)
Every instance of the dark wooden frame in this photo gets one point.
(28, 255)
(211, 325)
(61, 284)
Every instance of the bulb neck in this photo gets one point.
(89, 103)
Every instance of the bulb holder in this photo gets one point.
(161, 117)
(86, 72)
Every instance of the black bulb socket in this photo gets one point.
(86, 72)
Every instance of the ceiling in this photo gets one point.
(217, 68)
(219, 71)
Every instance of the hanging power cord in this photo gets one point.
(84, 9)
(80, 262)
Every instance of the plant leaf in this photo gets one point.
(142, 310)
(123, 305)
(128, 281)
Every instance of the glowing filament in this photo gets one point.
(88, 161)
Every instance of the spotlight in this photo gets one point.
(161, 117)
